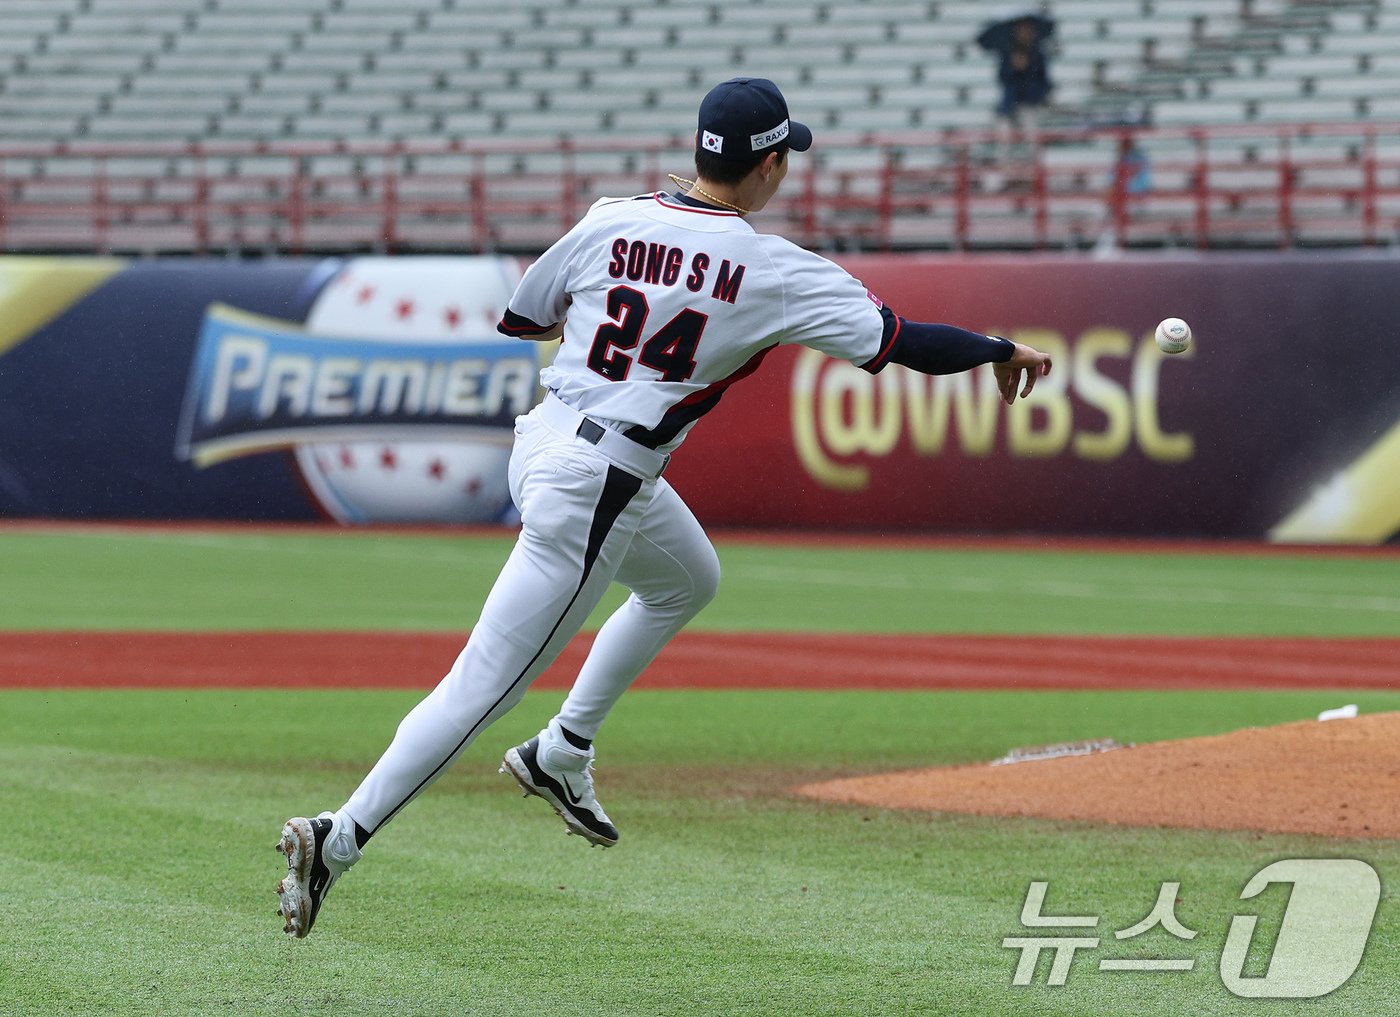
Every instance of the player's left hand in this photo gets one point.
(1025, 360)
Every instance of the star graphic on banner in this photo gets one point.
(453, 316)
(388, 460)
(436, 469)
(365, 295)
(347, 458)
(404, 309)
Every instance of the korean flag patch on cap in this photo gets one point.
(744, 117)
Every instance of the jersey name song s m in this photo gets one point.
(668, 303)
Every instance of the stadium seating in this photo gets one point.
(858, 63)
(475, 70)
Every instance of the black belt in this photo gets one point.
(592, 432)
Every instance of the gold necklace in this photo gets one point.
(691, 185)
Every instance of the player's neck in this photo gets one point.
(725, 196)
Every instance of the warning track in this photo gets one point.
(705, 660)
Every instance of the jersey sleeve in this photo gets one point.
(541, 299)
(826, 308)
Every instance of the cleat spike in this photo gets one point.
(311, 871)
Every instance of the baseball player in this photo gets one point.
(663, 300)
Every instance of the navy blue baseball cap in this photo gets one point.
(744, 117)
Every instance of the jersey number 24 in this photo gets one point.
(671, 351)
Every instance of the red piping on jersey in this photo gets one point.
(875, 364)
(689, 208)
(521, 330)
(676, 417)
(743, 372)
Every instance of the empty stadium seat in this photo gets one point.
(476, 70)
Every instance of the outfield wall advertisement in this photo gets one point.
(377, 390)
(363, 390)
(1283, 419)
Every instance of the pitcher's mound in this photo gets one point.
(1338, 778)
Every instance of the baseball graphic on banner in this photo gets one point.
(452, 300)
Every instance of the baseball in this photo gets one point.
(1173, 335)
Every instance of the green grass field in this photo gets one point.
(184, 580)
(136, 862)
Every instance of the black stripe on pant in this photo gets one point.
(619, 488)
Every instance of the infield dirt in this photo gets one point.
(1338, 778)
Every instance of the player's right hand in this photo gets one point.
(1025, 360)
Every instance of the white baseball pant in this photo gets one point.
(590, 513)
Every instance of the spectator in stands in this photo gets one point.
(1023, 66)
(1131, 175)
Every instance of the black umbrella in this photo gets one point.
(998, 36)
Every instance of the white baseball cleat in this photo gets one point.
(549, 767)
(317, 855)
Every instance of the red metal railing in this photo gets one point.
(1256, 185)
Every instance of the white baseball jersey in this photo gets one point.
(668, 304)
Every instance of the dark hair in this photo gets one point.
(730, 171)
